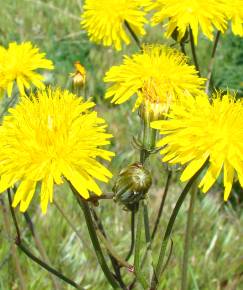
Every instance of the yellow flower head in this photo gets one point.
(157, 75)
(18, 63)
(181, 14)
(104, 20)
(50, 136)
(197, 130)
(235, 14)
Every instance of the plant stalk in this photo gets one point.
(211, 63)
(93, 236)
(166, 238)
(193, 49)
(133, 34)
(188, 237)
(20, 245)
(138, 241)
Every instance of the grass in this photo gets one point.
(217, 250)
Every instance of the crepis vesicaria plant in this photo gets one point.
(53, 136)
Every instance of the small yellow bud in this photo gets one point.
(79, 76)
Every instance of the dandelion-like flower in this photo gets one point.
(19, 63)
(181, 14)
(197, 130)
(235, 14)
(104, 20)
(48, 137)
(157, 75)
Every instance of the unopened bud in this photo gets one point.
(79, 76)
(132, 184)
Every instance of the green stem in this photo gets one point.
(132, 235)
(138, 241)
(211, 63)
(166, 238)
(99, 254)
(188, 237)
(193, 49)
(40, 247)
(147, 237)
(114, 262)
(20, 245)
(112, 251)
(133, 34)
(161, 205)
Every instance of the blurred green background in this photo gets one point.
(216, 260)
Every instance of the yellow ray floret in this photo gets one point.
(157, 75)
(50, 136)
(235, 14)
(198, 129)
(104, 20)
(18, 63)
(206, 14)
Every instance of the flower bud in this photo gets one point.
(132, 184)
(79, 76)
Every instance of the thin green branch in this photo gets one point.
(188, 237)
(99, 254)
(159, 267)
(156, 225)
(114, 262)
(211, 63)
(133, 213)
(133, 34)
(193, 49)
(20, 245)
(138, 242)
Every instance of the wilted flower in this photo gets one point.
(196, 130)
(19, 63)
(157, 75)
(50, 136)
(105, 20)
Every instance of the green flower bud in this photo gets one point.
(132, 184)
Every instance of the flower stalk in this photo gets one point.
(169, 228)
(193, 49)
(188, 237)
(93, 236)
(211, 63)
(20, 245)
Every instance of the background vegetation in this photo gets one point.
(217, 252)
